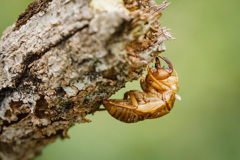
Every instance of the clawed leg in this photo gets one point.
(169, 64)
(126, 95)
(143, 83)
(157, 64)
(132, 97)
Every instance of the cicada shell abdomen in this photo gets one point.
(123, 111)
(127, 115)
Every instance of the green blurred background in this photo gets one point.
(204, 125)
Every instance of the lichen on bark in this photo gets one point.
(62, 58)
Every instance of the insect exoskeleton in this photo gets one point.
(159, 87)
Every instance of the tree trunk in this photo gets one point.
(62, 58)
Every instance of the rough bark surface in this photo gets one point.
(62, 58)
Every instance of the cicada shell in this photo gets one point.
(157, 99)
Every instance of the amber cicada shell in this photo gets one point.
(159, 87)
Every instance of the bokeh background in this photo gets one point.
(204, 125)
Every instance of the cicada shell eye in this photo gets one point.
(161, 74)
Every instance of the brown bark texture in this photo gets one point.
(62, 58)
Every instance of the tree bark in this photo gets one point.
(62, 58)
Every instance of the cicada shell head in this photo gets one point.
(162, 73)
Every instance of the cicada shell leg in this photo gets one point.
(132, 98)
